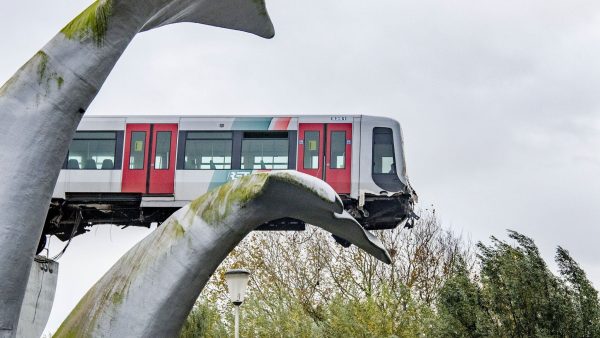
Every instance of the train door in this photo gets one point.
(149, 163)
(324, 151)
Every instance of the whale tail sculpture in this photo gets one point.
(151, 289)
(42, 104)
(243, 15)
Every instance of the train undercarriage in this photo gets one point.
(78, 212)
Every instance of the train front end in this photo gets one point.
(385, 198)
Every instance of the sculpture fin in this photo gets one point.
(244, 15)
(345, 226)
(326, 212)
(174, 262)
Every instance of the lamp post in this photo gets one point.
(237, 281)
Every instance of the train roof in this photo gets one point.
(228, 115)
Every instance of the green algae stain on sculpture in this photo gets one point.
(45, 75)
(178, 229)
(102, 300)
(79, 330)
(92, 21)
(8, 84)
(59, 82)
(214, 207)
(42, 65)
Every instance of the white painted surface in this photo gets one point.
(93, 180)
(356, 157)
(101, 123)
(190, 183)
(366, 151)
(208, 123)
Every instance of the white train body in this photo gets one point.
(136, 170)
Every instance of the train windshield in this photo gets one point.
(383, 151)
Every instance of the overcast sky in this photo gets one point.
(498, 101)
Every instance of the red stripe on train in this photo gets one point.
(281, 123)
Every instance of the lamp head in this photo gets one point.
(237, 281)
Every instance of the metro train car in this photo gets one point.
(137, 170)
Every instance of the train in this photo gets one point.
(138, 170)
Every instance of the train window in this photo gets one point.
(383, 151)
(163, 150)
(311, 149)
(136, 150)
(265, 150)
(208, 150)
(338, 150)
(92, 150)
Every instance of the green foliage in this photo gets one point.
(516, 295)
(368, 318)
(277, 315)
(460, 312)
(518, 287)
(203, 321)
(305, 285)
(583, 298)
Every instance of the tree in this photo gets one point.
(203, 321)
(585, 320)
(305, 285)
(514, 294)
(460, 311)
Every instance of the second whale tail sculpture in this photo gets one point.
(243, 15)
(42, 104)
(152, 288)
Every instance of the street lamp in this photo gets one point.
(237, 280)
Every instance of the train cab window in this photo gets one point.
(208, 150)
(163, 150)
(311, 149)
(383, 151)
(265, 150)
(92, 150)
(137, 150)
(338, 150)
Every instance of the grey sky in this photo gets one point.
(497, 100)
